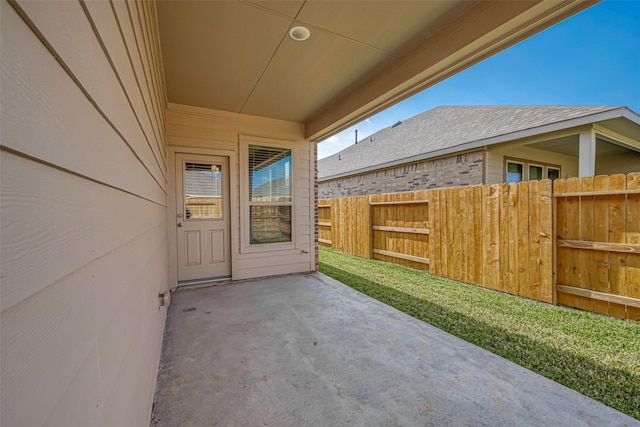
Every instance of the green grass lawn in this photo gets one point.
(596, 355)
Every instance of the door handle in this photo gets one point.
(179, 224)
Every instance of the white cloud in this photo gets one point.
(347, 137)
(334, 140)
(342, 140)
(334, 144)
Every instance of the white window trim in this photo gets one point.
(543, 172)
(525, 167)
(515, 162)
(245, 243)
(554, 168)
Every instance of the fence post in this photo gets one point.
(370, 216)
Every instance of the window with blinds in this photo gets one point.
(202, 190)
(270, 194)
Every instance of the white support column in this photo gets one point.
(587, 154)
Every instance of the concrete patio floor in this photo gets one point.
(306, 350)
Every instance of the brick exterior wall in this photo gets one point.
(453, 171)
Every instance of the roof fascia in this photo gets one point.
(616, 138)
(630, 115)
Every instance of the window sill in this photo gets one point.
(267, 247)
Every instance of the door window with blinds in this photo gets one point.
(270, 194)
(202, 191)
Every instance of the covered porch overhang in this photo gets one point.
(360, 58)
(602, 144)
(600, 148)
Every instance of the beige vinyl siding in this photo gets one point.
(83, 212)
(496, 160)
(191, 128)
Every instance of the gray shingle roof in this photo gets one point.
(445, 127)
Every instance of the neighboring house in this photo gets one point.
(105, 108)
(468, 145)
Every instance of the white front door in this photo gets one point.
(202, 217)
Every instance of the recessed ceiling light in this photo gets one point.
(299, 33)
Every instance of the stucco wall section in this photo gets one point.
(453, 171)
(82, 212)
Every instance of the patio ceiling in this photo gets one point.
(569, 146)
(361, 57)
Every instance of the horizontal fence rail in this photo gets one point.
(400, 232)
(598, 244)
(578, 245)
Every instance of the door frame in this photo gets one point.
(172, 205)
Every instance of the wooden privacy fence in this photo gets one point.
(399, 228)
(598, 244)
(495, 236)
(344, 225)
(501, 237)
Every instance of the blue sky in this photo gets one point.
(592, 58)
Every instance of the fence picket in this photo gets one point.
(511, 226)
(523, 238)
(533, 287)
(559, 186)
(477, 235)
(445, 236)
(601, 234)
(486, 235)
(455, 259)
(585, 258)
(572, 205)
(632, 275)
(434, 232)
(468, 243)
(617, 222)
(505, 281)
(494, 236)
(546, 292)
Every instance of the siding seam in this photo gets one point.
(135, 75)
(155, 55)
(146, 38)
(161, 86)
(4, 148)
(126, 94)
(82, 89)
(144, 73)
